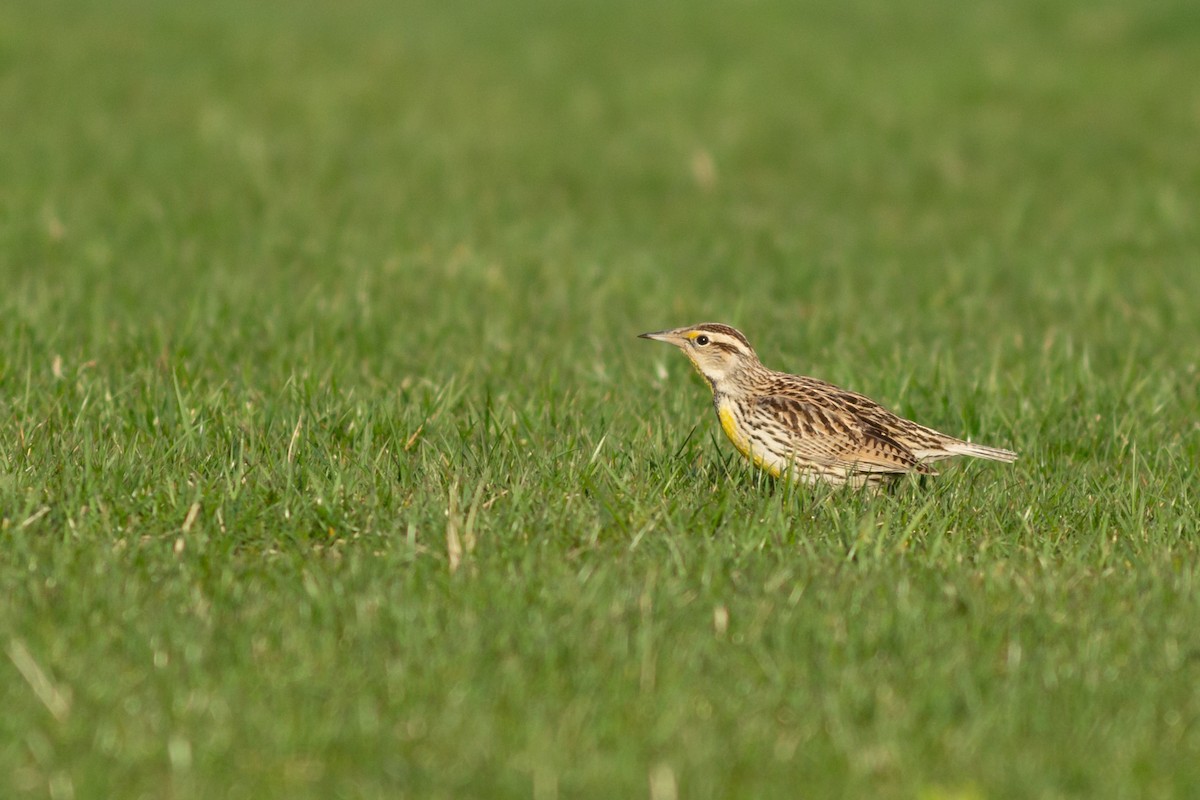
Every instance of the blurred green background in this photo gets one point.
(299, 297)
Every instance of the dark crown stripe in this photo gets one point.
(716, 327)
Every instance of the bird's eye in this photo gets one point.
(701, 340)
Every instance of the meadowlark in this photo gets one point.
(805, 428)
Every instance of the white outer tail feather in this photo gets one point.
(980, 451)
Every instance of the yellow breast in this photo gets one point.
(729, 424)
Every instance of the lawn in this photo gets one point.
(331, 465)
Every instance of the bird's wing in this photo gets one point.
(833, 437)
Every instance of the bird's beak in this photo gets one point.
(670, 337)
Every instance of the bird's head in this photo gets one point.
(716, 351)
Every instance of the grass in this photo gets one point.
(299, 298)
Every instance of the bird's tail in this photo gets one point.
(980, 451)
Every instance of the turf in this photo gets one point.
(331, 467)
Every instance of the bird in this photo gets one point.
(807, 429)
